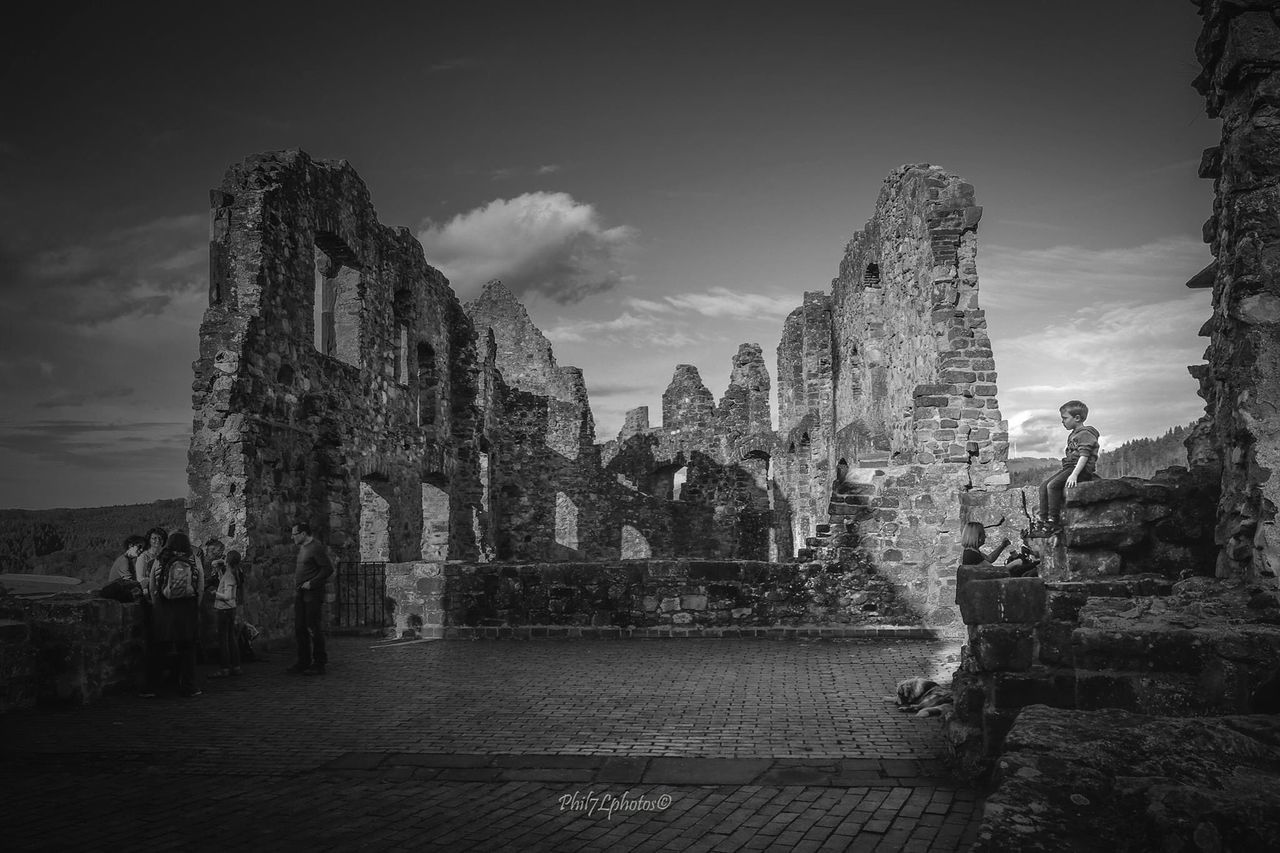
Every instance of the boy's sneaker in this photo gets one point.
(1042, 528)
(317, 669)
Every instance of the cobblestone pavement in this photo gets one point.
(700, 745)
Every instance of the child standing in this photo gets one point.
(1078, 465)
(225, 600)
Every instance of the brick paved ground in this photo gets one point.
(707, 745)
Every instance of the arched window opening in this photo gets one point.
(337, 304)
(428, 382)
(435, 523)
(375, 520)
(667, 482)
(871, 276)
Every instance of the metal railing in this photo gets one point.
(360, 592)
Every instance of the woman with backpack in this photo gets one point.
(177, 581)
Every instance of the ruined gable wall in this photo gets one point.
(914, 363)
(806, 427)
(545, 464)
(1239, 49)
(726, 501)
(283, 431)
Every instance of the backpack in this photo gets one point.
(240, 591)
(178, 579)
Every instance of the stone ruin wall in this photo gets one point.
(411, 430)
(703, 475)
(1238, 439)
(371, 428)
(894, 374)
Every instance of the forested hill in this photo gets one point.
(1142, 457)
(78, 542)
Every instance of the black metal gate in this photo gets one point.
(360, 595)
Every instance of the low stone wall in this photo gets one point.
(68, 647)
(1138, 643)
(1132, 526)
(644, 598)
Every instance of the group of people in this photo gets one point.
(171, 579)
(1079, 464)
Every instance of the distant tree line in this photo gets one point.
(78, 542)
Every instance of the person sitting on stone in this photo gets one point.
(156, 538)
(1078, 465)
(971, 540)
(125, 566)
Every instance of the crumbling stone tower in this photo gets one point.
(893, 375)
(1239, 435)
(338, 383)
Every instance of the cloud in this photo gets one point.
(549, 169)
(1113, 327)
(94, 445)
(73, 399)
(627, 328)
(1061, 279)
(721, 302)
(128, 272)
(537, 243)
(108, 329)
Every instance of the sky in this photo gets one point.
(658, 182)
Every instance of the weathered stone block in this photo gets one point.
(1013, 691)
(1002, 648)
(1094, 562)
(1009, 600)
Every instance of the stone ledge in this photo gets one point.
(780, 632)
(1119, 782)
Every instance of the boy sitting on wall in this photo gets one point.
(1078, 465)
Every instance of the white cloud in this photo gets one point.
(627, 328)
(1113, 327)
(726, 303)
(545, 243)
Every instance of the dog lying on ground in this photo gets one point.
(922, 697)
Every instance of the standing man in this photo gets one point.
(313, 569)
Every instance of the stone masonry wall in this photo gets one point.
(1239, 49)
(887, 393)
(544, 461)
(699, 596)
(338, 380)
(69, 647)
(806, 425)
(914, 364)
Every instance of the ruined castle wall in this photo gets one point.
(703, 478)
(336, 382)
(1240, 433)
(889, 386)
(915, 367)
(806, 424)
(545, 465)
